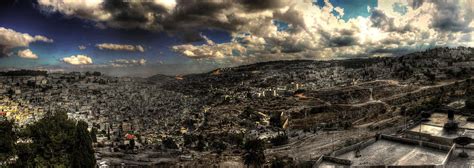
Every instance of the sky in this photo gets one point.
(147, 37)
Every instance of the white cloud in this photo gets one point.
(120, 47)
(127, 62)
(168, 4)
(78, 60)
(85, 9)
(11, 39)
(340, 11)
(27, 53)
(82, 47)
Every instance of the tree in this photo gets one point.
(132, 144)
(53, 139)
(254, 152)
(280, 139)
(275, 120)
(108, 133)
(94, 134)
(200, 146)
(169, 143)
(56, 142)
(282, 162)
(470, 103)
(251, 114)
(83, 153)
(96, 73)
(463, 141)
(7, 140)
(218, 146)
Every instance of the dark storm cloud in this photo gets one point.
(196, 14)
(192, 15)
(183, 15)
(343, 38)
(313, 31)
(380, 20)
(134, 15)
(3, 51)
(252, 5)
(451, 18)
(343, 41)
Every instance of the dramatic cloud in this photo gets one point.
(120, 47)
(28, 54)
(85, 9)
(317, 33)
(11, 39)
(312, 32)
(127, 62)
(452, 17)
(78, 60)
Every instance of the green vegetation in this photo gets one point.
(53, 141)
(470, 103)
(282, 162)
(275, 120)
(425, 106)
(24, 73)
(254, 154)
(94, 134)
(218, 146)
(169, 144)
(251, 114)
(281, 139)
(7, 140)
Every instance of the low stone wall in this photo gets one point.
(401, 166)
(435, 139)
(318, 162)
(400, 140)
(414, 166)
(359, 145)
(450, 153)
(435, 146)
(416, 142)
(364, 144)
(337, 160)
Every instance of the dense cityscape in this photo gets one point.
(166, 120)
(236, 83)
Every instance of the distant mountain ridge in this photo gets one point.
(429, 65)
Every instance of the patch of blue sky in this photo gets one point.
(352, 8)
(400, 8)
(281, 26)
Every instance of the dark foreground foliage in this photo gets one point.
(53, 141)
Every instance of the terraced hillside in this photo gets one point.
(312, 101)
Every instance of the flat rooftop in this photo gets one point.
(435, 130)
(456, 162)
(439, 119)
(384, 152)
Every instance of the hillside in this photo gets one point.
(366, 95)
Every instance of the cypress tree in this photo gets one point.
(83, 153)
(7, 140)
